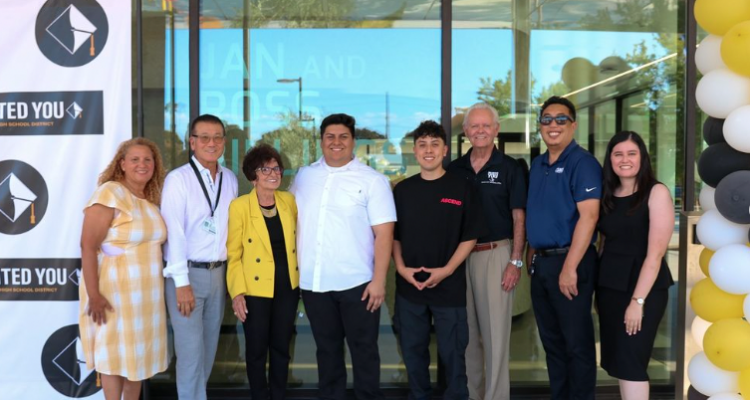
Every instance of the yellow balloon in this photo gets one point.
(727, 344)
(713, 304)
(745, 384)
(735, 48)
(704, 258)
(718, 16)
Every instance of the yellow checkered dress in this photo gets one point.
(133, 342)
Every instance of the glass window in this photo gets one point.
(273, 70)
(597, 54)
(165, 67)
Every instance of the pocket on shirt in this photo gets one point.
(349, 200)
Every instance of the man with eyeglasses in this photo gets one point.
(563, 208)
(195, 207)
(493, 267)
(345, 226)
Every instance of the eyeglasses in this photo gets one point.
(207, 139)
(267, 170)
(560, 119)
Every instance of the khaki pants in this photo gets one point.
(489, 311)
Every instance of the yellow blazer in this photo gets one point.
(250, 265)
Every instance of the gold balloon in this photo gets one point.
(713, 304)
(735, 48)
(704, 259)
(727, 344)
(719, 16)
(745, 384)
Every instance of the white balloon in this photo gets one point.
(726, 396)
(736, 131)
(698, 330)
(714, 231)
(721, 91)
(708, 55)
(746, 307)
(710, 379)
(730, 268)
(706, 198)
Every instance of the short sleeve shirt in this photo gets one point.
(500, 187)
(554, 193)
(434, 217)
(337, 208)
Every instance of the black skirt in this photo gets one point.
(623, 356)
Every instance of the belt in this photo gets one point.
(490, 245)
(209, 265)
(552, 252)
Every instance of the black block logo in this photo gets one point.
(23, 197)
(71, 33)
(64, 365)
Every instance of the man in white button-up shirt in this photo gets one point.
(345, 222)
(195, 207)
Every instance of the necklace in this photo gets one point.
(268, 212)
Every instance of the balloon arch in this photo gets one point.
(721, 301)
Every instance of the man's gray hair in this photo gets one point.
(481, 106)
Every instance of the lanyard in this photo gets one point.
(203, 186)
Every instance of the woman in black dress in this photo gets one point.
(637, 220)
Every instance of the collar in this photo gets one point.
(201, 168)
(572, 146)
(496, 158)
(255, 204)
(350, 166)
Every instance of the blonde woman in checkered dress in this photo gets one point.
(123, 316)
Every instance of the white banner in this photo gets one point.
(65, 105)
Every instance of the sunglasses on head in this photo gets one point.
(560, 119)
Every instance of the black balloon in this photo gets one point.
(732, 197)
(693, 394)
(720, 160)
(713, 130)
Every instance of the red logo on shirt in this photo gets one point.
(451, 201)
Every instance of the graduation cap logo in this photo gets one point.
(64, 364)
(72, 362)
(75, 276)
(72, 30)
(16, 198)
(23, 197)
(74, 110)
(71, 33)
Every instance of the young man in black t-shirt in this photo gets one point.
(436, 230)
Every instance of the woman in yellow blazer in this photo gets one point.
(262, 274)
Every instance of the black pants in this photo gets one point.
(335, 316)
(452, 334)
(566, 326)
(268, 331)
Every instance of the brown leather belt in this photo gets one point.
(489, 246)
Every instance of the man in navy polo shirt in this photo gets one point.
(562, 210)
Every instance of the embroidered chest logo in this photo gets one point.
(451, 201)
(492, 175)
(559, 170)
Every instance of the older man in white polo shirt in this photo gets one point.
(345, 221)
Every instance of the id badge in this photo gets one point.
(209, 225)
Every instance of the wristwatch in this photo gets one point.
(517, 263)
(640, 300)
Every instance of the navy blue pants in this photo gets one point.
(452, 334)
(566, 326)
